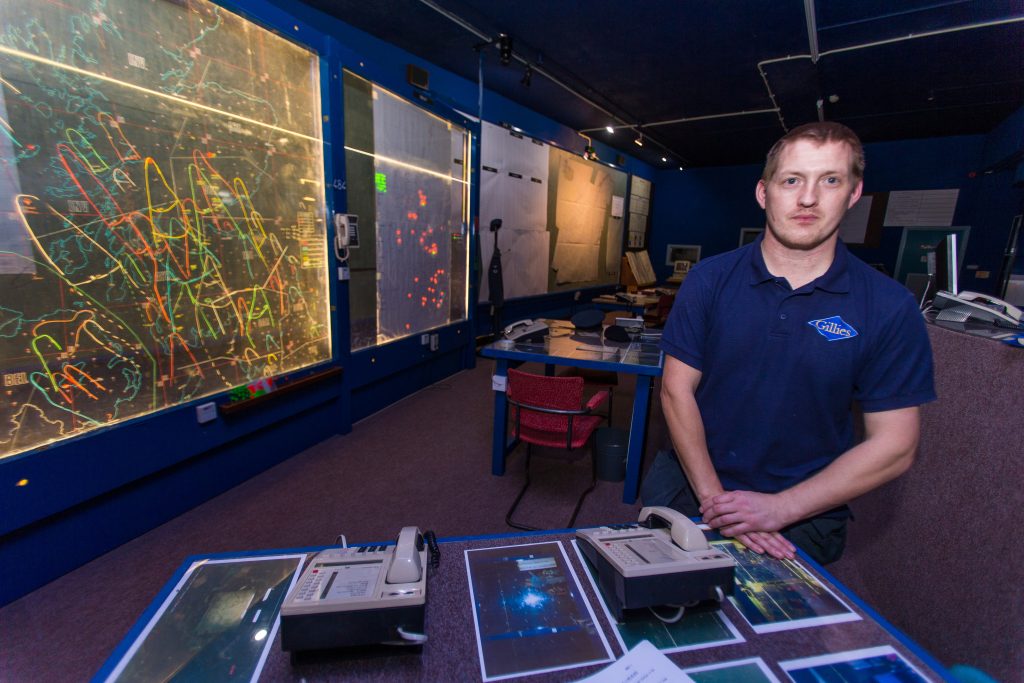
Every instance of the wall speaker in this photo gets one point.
(417, 77)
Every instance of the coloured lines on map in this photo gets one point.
(162, 231)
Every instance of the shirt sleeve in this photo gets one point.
(899, 372)
(687, 326)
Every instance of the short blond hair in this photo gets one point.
(818, 132)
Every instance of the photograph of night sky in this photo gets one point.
(530, 612)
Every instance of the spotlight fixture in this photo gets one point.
(639, 141)
(505, 48)
(527, 75)
(664, 160)
(609, 129)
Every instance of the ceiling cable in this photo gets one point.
(537, 69)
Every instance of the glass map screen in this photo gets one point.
(162, 232)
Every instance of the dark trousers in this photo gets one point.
(823, 538)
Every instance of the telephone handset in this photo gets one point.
(406, 566)
(365, 595)
(684, 532)
(526, 330)
(664, 559)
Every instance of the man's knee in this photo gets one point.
(822, 538)
(665, 485)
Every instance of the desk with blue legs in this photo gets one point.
(637, 358)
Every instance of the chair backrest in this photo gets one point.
(559, 393)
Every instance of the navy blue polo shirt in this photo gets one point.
(781, 368)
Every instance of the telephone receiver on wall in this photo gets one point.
(405, 564)
(685, 533)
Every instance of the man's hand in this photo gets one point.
(752, 518)
(773, 543)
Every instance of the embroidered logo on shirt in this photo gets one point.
(833, 328)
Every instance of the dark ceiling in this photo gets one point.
(739, 71)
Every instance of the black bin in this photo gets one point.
(610, 446)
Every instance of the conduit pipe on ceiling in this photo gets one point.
(876, 43)
(537, 69)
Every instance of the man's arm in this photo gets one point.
(678, 400)
(679, 403)
(887, 451)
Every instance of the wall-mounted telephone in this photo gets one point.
(363, 595)
(663, 560)
(346, 231)
(526, 331)
(967, 306)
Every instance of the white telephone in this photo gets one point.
(967, 306)
(526, 330)
(662, 560)
(359, 596)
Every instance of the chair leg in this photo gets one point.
(593, 485)
(522, 491)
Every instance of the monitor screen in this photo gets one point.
(946, 260)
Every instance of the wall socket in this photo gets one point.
(207, 412)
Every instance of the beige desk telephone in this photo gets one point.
(359, 596)
(663, 560)
(526, 331)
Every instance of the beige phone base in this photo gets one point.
(670, 564)
(368, 595)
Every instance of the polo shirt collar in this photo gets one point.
(836, 278)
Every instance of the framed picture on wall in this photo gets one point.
(682, 252)
(748, 235)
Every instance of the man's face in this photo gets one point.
(807, 196)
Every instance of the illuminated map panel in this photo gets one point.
(162, 211)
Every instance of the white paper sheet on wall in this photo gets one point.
(923, 208)
(524, 261)
(618, 206)
(639, 205)
(641, 187)
(492, 145)
(514, 182)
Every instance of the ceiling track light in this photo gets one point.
(527, 75)
(505, 48)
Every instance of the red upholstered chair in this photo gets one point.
(549, 411)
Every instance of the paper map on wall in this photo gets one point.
(163, 235)
(581, 210)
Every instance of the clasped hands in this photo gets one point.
(753, 519)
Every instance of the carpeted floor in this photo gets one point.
(424, 461)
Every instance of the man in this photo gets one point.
(767, 349)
